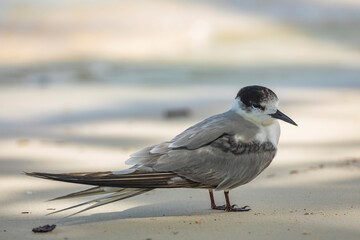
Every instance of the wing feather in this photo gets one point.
(201, 133)
(222, 165)
(220, 151)
(212, 128)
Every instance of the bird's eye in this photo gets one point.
(258, 106)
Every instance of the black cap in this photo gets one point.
(255, 95)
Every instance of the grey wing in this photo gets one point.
(212, 128)
(224, 164)
(207, 153)
(202, 133)
(194, 137)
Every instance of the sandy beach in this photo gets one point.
(309, 191)
(83, 84)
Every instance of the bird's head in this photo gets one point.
(259, 104)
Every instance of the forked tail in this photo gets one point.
(117, 186)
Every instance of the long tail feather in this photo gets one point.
(113, 197)
(137, 179)
(87, 192)
(120, 185)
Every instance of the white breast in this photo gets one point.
(269, 133)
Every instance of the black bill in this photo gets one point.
(281, 116)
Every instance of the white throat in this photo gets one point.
(269, 128)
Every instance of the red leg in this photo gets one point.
(212, 201)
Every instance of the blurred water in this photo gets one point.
(279, 43)
(143, 75)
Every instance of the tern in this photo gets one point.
(219, 153)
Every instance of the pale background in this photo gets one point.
(85, 83)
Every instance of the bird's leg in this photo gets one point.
(231, 208)
(212, 200)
